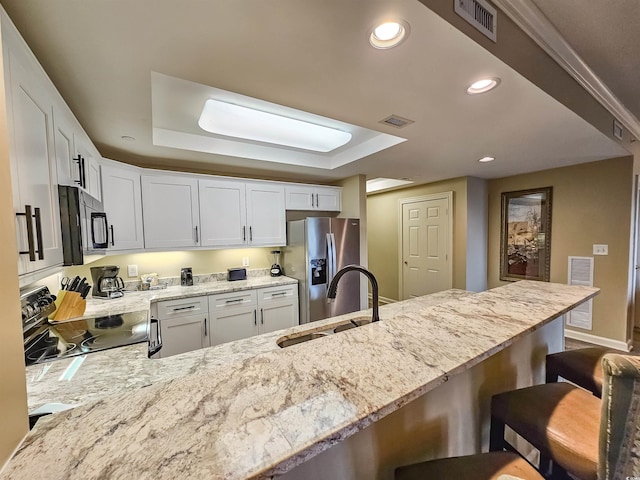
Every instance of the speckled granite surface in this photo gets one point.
(261, 415)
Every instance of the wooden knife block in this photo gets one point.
(71, 305)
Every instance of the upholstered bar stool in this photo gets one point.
(582, 367)
(580, 434)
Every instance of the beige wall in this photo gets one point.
(13, 399)
(382, 232)
(591, 204)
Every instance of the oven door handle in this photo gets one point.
(154, 345)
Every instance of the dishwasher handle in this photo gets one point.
(154, 345)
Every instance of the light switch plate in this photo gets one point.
(132, 270)
(245, 261)
(600, 249)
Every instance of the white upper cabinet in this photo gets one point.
(77, 159)
(266, 215)
(223, 216)
(171, 212)
(122, 200)
(313, 197)
(33, 160)
(235, 213)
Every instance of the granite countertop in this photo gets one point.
(141, 300)
(119, 370)
(262, 414)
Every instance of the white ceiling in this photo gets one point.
(312, 55)
(605, 34)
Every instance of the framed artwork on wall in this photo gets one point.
(525, 234)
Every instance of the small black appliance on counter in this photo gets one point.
(186, 277)
(234, 274)
(106, 282)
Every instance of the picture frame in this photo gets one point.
(525, 234)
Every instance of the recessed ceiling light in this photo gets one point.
(483, 85)
(237, 121)
(389, 34)
(128, 138)
(486, 159)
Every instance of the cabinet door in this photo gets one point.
(266, 215)
(66, 159)
(223, 217)
(33, 165)
(233, 324)
(328, 199)
(122, 200)
(278, 308)
(90, 167)
(184, 334)
(170, 211)
(299, 197)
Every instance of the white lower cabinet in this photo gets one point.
(233, 316)
(184, 325)
(239, 315)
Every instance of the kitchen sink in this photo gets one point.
(353, 323)
(287, 342)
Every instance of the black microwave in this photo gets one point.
(84, 225)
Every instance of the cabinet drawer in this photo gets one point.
(271, 294)
(182, 307)
(233, 299)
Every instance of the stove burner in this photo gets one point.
(50, 352)
(111, 321)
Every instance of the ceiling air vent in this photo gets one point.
(396, 121)
(479, 14)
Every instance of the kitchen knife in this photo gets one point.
(85, 291)
(74, 283)
(81, 285)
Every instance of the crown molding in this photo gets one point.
(533, 22)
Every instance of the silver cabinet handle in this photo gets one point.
(279, 294)
(317, 200)
(112, 237)
(262, 316)
(205, 328)
(312, 200)
(250, 233)
(244, 233)
(197, 236)
(177, 309)
(255, 318)
(235, 300)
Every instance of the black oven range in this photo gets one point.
(46, 340)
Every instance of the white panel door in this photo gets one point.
(63, 137)
(223, 217)
(170, 211)
(228, 325)
(122, 199)
(266, 215)
(425, 241)
(33, 164)
(299, 197)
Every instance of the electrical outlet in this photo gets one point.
(245, 261)
(132, 270)
(600, 249)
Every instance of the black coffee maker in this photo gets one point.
(106, 282)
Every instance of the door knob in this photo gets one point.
(406, 263)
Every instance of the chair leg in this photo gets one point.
(496, 435)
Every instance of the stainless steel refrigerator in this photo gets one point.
(317, 248)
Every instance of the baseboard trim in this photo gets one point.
(602, 341)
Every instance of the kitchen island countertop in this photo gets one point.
(263, 414)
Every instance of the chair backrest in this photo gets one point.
(619, 456)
